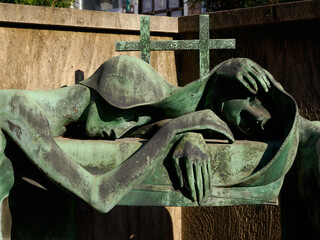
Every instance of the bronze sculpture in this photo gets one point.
(127, 98)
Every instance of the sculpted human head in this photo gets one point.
(248, 115)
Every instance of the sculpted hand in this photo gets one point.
(247, 72)
(192, 158)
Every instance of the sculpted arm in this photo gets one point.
(134, 169)
(26, 123)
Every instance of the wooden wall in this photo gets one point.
(284, 39)
(41, 48)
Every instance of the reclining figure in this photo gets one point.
(126, 97)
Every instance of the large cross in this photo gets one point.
(203, 44)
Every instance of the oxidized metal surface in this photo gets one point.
(204, 51)
(126, 97)
(203, 44)
(225, 165)
(145, 38)
(139, 85)
(6, 183)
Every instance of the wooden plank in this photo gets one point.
(56, 17)
(249, 17)
(48, 59)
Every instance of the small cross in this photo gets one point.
(203, 44)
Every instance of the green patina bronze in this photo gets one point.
(203, 44)
(73, 136)
(157, 189)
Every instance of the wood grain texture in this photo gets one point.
(236, 222)
(48, 17)
(47, 59)
(290, 51)
(255, 16)
(124, 223)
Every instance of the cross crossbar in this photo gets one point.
(203, 44)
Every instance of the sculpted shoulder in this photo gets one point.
(126, 82)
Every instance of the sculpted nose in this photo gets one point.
(258, 114)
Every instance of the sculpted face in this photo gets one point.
(248, 115)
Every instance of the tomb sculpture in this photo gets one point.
(126, 98)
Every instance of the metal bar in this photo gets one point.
(145, 38)
(222, 44)
(174, 45)
(127, 46)
(203, 44)
(204, 52)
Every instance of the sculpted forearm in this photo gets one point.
(26, 124)
(115, 184)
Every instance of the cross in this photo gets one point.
(203, 44)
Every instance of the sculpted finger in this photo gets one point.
(199, 182)
(210, 175)
(263, 84)
(245, 83)
(214, 123)
(178, 171)
(253, 83)
(269, 75)
(271, 78)
(261, 77)
(206, 186)
(267, 78)
(223, 128)
(190, 181)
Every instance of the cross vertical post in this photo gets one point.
(203, 44)
(145, 38)
(204, 50)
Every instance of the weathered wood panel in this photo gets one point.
(41, 48)
(47, 59)
(236, 222)
(81, 19)
(124, 223)
(255, 16)
(290, 51)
